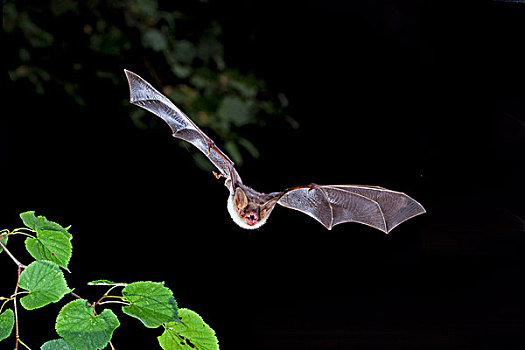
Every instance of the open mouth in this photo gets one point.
(251, 219)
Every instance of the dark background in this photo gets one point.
(424, 98)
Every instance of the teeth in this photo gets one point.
(251, 219)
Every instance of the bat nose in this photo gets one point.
(251, 219)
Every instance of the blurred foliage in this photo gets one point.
(59, 45)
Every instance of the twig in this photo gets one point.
(106, 295)
(114, 302)
(21, 342)
(75, 295)
(22, 233)
(18, 263)
(21, 229)
(14, 302)
(20, 267)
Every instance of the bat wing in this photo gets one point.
(334, 204)
(144, 95)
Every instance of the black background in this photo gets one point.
(424, 98)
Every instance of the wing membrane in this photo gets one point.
(334, 204)
(144, 95)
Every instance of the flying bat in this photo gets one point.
(329, 204)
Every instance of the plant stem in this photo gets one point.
(114, 302)
(15, 304)
(22, 233)
(76, 295)
(106, 295)
(21, 342)
(23, 228)
(18, 263)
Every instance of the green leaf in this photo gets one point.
(59, 7)
(209, 48)
(4, 242)
(45, 282)
(150, 302)
(155, 40)
(250, 147)
(81, 328)
(57, 344)
(235, 110)
(245, 89)
(233, 150)
(10, 15)
(29, 219)
(194, 333)
(50, 245)
(41, 223)
(202, 162)
(181, 71)
(7, 321)
(184, 51)
(106, 283)
(37, 37)
(148, 8)
(53, 226)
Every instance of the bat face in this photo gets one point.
(248, 208)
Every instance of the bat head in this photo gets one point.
(248, 212)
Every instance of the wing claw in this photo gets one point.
(312, 186)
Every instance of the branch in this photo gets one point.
(15, 306)
(18, 263)
(14, 302)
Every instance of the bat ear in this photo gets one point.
(240, 199)
(267, 207)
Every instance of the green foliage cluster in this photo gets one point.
(80, 324)
(61, 43)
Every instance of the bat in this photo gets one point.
(329, 204)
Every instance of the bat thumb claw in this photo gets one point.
(312, 186)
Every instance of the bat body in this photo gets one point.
(329, 204)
